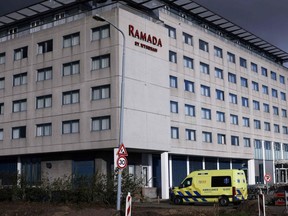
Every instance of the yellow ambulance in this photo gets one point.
(223, 186)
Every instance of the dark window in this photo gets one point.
(221, 181)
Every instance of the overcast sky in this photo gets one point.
(265, 18)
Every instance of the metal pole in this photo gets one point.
(99, 18)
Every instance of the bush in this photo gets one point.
(98, 188)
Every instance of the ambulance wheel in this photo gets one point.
(223, 201)
(178, 200)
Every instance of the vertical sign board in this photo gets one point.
(286, 202)
(128, 205)
(261, 204)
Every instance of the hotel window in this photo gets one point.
(1, 108)
(71, 97)
(204, 68)
(264, 71)
(19, 105)
(220, 116)
(235, 140)
(173, 107)
(277, 146)
(173, 82)
(2, 58)
(267, 126)
(257, 124)
(46, 46)
(71, 126)
(171, 31)
(205, 90)
(257, 144)
(283, 96)
(218, 52)
(266, 108)
(206, 113)
(254, 67)
(281, 78)
(35, 26)
(101, 123)
(206, 137)
(19, 132)
(19, 79)
(100, 32)
(285, 129)
(230, 57)
(21, 53)
(256, 105)
(232, 98)
(255, 86)
(190, 134)
(2, 83)
(245, 102)
(244, 82)
(188, 62)
(172, 57)
(101, 92)
(221, 139)
(267, 145)
(275, 110)
(276, 128)
(44, 130)
(188, 86)
(273, 75)
(187, 39)
(232, 77)
(246, 122)
(274, 93)
(44, 74)
(265, 89)
(59, 16)
(284, 113)
(100, 62)
(203, 45)
(71, 40)
(1, 134)
(174, 133)
(12, 32)
(243, 62)
(246, 142)
(71, 68)
(218, 73)
(233, 119)
(44, 101)
(189, 110)
(219, 95)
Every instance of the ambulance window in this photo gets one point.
(221, 181)
(187, 182)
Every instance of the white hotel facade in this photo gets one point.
(200, 93)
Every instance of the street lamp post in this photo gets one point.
(99, 18)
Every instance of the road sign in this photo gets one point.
(267, 178)
(122, 162)
(122, 151)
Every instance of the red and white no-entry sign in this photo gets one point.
(267, 178)
(122, 162)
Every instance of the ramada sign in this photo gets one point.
(143, 36)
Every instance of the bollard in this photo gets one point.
(128, 205)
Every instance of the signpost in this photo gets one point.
(122, 153)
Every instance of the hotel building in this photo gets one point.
(200, 92)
